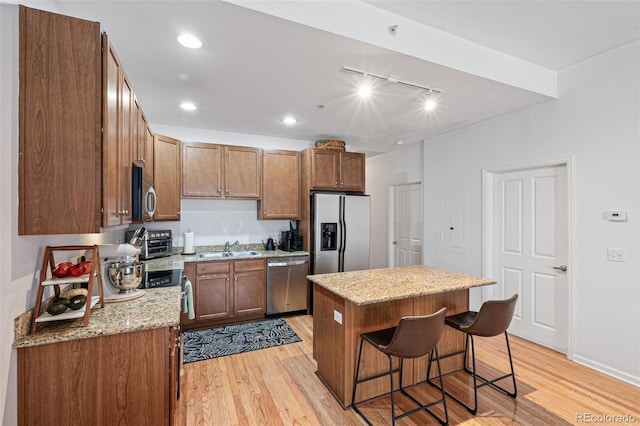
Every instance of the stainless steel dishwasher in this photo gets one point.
(287, 285)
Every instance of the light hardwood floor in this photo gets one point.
(278, 386)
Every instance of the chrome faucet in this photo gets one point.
(227, 247)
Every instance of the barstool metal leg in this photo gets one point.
(513, 374)
(355, 386)
(402, 389)
(473, 372)
(393, 402)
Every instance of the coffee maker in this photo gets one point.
(290, 240)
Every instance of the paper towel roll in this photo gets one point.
(188, 243)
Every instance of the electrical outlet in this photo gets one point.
(615, 255)
(337, 316)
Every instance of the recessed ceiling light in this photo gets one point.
(188, 106)
(289, 120)
(398, 143)
(187, 40)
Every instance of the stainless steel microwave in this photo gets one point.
(143, 197)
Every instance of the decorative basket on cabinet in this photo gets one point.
(330, 145)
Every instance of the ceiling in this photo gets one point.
(255, 66)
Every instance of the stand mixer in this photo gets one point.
(122, 273)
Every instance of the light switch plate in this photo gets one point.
(615, 255)
(337, 316)
(617, 215)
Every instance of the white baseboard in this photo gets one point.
(625, 377)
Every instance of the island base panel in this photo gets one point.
(335, 345)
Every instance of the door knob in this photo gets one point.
(562, 268)
(395, 243)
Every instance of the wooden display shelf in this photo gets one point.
(48, 263)
(69, 313)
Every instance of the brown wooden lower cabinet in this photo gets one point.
(124, 379)
(226, 292)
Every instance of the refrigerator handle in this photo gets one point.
(341, 243)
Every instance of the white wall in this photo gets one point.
(382, 171)
(595, 121)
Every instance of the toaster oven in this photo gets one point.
(155, 243)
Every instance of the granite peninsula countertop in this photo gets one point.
(383, 285)
(157, 308)
(177, 260)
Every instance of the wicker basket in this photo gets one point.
(330, 145)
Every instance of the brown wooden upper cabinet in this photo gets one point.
(79, 128)
(280, 185)
(139, 137)
(201, 169)
(220, 171)
(166, 179)
(336, 170)
(148, 156)
(60, 122)
(123, 142)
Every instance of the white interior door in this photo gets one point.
(531, 251)
(407, 225)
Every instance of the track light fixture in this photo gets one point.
(430, 101)
(365, 88)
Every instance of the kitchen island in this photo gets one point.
(350, 303)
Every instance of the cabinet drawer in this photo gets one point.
(203, 268)
(249, 265)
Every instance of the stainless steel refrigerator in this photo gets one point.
(340, 232)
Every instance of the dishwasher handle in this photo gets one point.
(288, 263)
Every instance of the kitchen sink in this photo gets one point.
(224, 255)
(216, 255)
(244, 253)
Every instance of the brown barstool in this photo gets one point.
(493, 319)
(414, 337)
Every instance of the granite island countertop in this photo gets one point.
(157, 308)
(383, 285)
